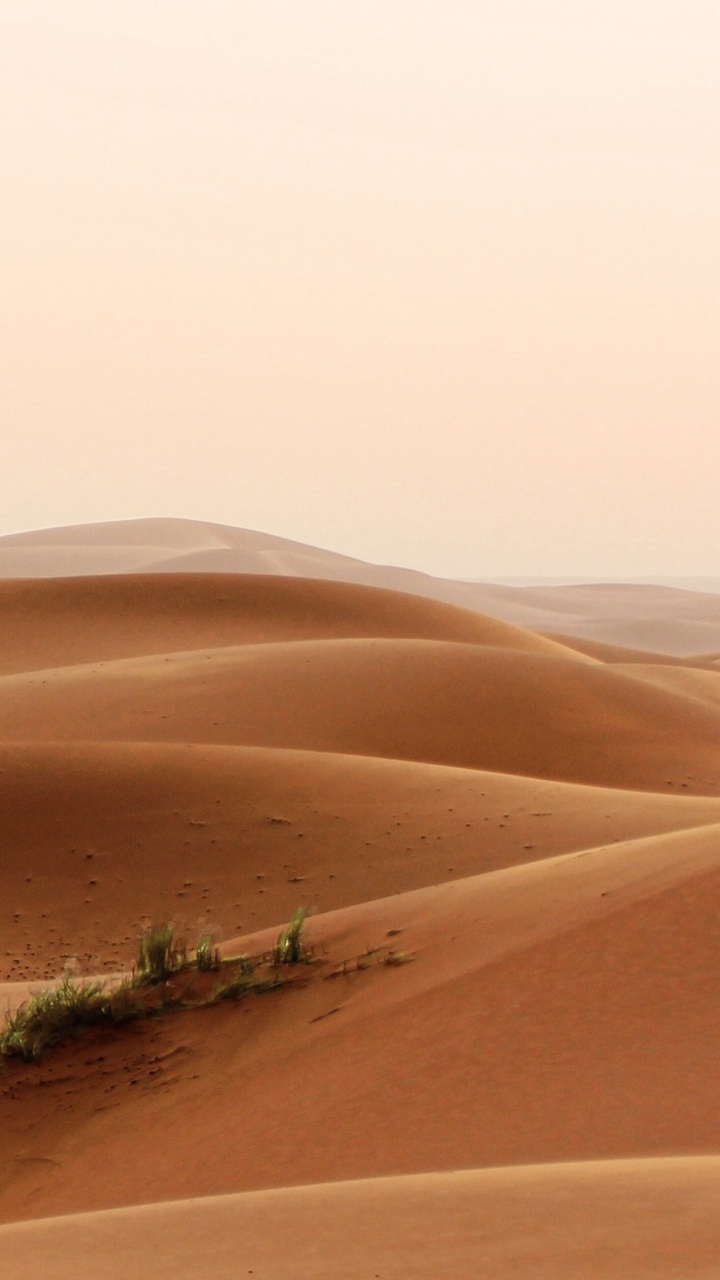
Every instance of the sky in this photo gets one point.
(427, 282)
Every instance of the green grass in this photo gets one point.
(160, 955)
(290, 948)
(207, 956)
(62, 1011)
(53, 1015)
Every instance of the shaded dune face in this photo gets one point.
(433, 701)
(553, 1012)
(96, 837)
(663, 620)
(536, 829)
(55, 622)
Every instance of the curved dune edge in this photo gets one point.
(689, 682)
(49, 623)
(489, 916)
(616, 654)
(239, 835)
(455, 704)
(556, 1011)
(662, 619)
(517, 907)
(635, 1218)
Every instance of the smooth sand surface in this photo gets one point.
(534, 828)
(616, 654)
(688, 681)
(434, 701)
(635, 1218)
(236, 836)
(661, 619)
(563, 1010)
(51, 623)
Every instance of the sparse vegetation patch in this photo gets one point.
(290, 948)
(166, 978)
(51, 1016)
(160, 954)
(207, 955)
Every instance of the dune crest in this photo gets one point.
(57, 622)
(462, 705)
(661, 619)
(214, 727)
(548, 1222)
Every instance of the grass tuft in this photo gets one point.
(245, 981)
(207, 956)
(289, 948)
(160, 955)
(53, 1015)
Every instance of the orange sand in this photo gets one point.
(535, 1094)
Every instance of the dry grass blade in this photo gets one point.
(50, 1016)
(289, 948)
(160, 954)
(207, 955)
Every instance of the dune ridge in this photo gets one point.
(532, 824)
(662, 619)
(655, 1217)
(434, 701)
(234, 835)
(55, 622)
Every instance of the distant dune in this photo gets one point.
(213, 727)
(661, 619)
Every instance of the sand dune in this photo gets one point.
(660, 619)
(215, 726)
(432, 701)
(616, 654)
(551, 1222)
(152, 542)
(56, 622)
(557, 1011)
(690, 682)
(237, 836)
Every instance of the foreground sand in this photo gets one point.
(533, 1094)
(635, 1218)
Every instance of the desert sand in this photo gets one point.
(670, 620)
(215, 727)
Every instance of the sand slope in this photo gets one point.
(661, 619)
(55, 622)
(687, 681)
(558, 1011)
(639, 1218)
(236, 836)
(536, 827)
(452, 704)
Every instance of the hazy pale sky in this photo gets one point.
(431, 282)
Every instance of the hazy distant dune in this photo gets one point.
(654, 618)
